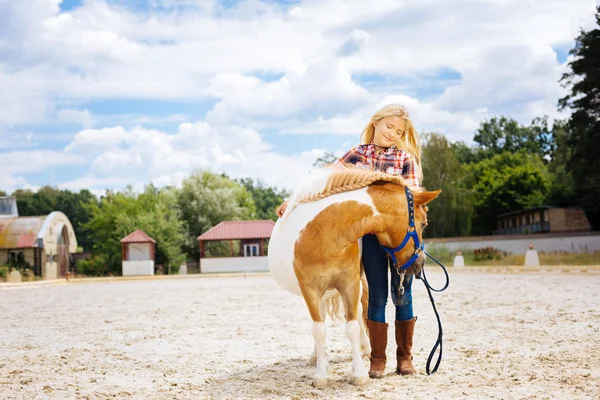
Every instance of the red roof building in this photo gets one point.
(252, 235)
(138, 237)
(134, 244)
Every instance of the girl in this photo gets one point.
(389, 143)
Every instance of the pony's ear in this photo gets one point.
(425, 197)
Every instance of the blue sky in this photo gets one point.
(102, 94)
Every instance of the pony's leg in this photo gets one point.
(365, 343)
(313, 299)
(323, 312)
(363, 307)
(350, 296)
(319, 334)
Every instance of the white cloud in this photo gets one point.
(425, 116)
(322, 87)
(10, 183)
(268, 66)
(16, 164)
(118, 156)
(84, 117)
(357, 39)
(22, 162)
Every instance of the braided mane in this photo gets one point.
(340, 180)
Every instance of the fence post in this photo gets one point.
(459, 260)
(531, 257)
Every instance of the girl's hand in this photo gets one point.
(281, 209)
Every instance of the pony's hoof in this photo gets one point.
(360, 380)
(320, 383)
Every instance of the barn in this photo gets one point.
(252, 236)
(42, 243)
(138, 251)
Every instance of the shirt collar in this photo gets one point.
(386, 151)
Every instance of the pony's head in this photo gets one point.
(393, 226)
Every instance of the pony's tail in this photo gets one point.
(335, 308)
(364, 298)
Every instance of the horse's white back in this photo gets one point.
(287, 230)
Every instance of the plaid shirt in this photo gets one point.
(393, 161)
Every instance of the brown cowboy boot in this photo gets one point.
(378, 338)
(404, 340)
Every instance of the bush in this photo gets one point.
(95, 266)
(19, 264)
(27, 274)
(4, 271)
(487, 253)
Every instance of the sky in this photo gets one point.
(103, 94)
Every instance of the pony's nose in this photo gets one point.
(420, 261)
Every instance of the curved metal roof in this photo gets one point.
(20, 232)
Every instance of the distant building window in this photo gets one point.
(6, 206)
(250, 250)
(542, 216)
(16, 257)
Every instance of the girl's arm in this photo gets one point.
(410, 173)
(348, 158)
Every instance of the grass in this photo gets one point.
(446, 256)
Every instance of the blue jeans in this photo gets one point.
(375, 262)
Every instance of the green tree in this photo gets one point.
(499, 135)
(266, 198)
(506, 182)
(42, 202)
(327, 158)
(583, 129)
(3, 193)
(118, 214)
(463, 153)
(75, 206)
(206, 199)
(562, 183)
(452, 212)
(24, 202)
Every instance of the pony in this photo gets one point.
(315, 248)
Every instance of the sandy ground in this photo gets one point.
(506, 337)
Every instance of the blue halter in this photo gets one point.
(411, 233)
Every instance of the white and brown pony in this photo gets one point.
(315, 248)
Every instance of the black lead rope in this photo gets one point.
(438, 343)
(419, 246)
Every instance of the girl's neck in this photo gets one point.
(380, 149)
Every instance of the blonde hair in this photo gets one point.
(409, 142)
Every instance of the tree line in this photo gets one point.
(174, 217)
(509, 166)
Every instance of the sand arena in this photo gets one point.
(506, 336)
